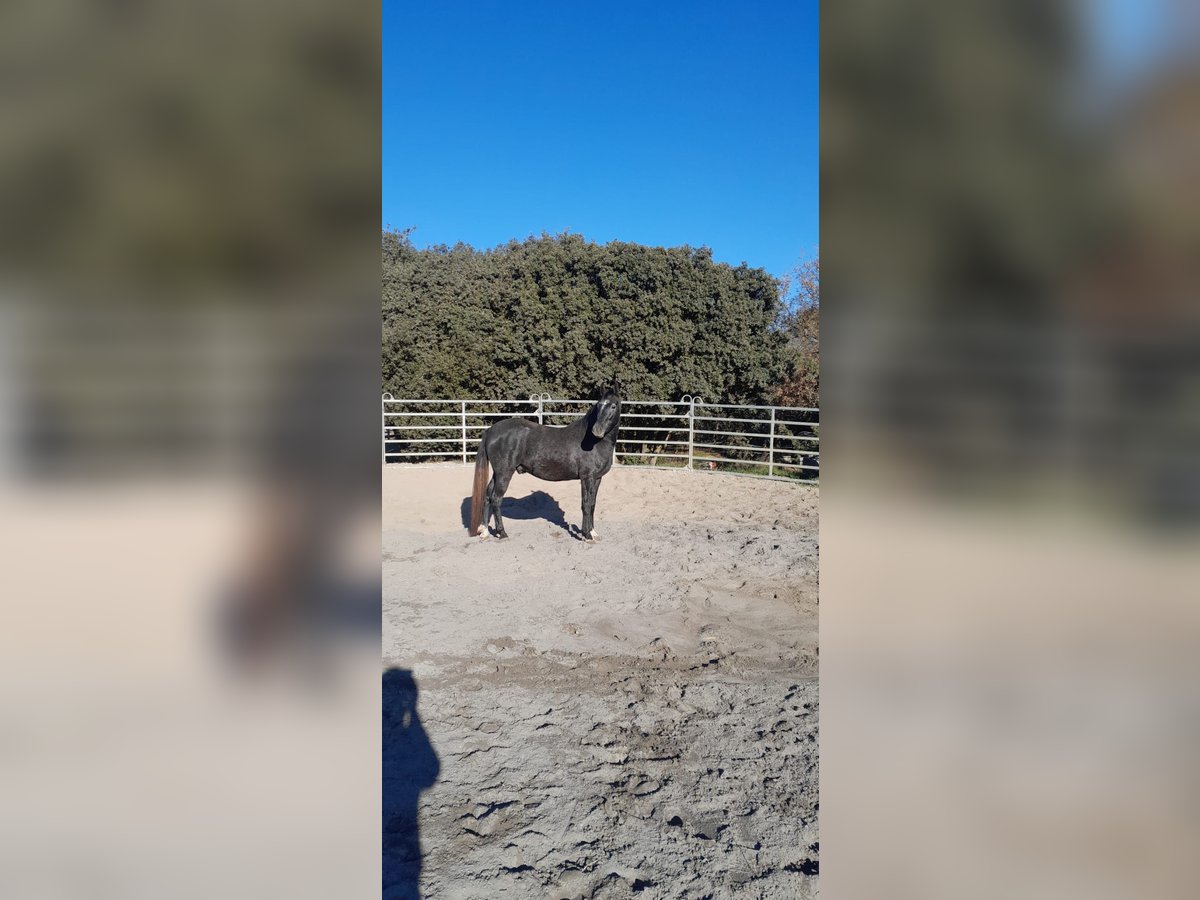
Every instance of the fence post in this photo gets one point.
(691, 428)
(464, 430)
(541, 400)
(771, 463)
(383, 425)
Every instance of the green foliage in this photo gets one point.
(801, 321)
(563, 315)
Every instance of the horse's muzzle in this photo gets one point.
(597, 431)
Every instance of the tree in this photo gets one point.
(800, 321)
(563, 315)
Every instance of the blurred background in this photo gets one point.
(189, 340)
(1011, 406)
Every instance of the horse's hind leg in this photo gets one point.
(500, 479)
(489, 502)
(487, 507)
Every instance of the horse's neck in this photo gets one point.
(588, 418)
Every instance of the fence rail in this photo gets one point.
(757, 441)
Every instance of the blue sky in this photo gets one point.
(664, 123)
(1126, 36)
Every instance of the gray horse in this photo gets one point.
(582, 450)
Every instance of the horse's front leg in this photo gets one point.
(590, 488)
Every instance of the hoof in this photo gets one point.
(502, 535)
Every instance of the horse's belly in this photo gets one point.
(551, 471)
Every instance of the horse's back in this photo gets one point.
(507, 437)
(506, 427)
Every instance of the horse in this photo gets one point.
(580, 451)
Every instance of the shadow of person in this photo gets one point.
(537, 505)
(410, 765)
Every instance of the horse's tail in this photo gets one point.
(481, 479)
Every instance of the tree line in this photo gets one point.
(562, 315)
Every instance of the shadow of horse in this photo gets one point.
(537, 505)
(410, 766)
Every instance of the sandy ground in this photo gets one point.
(638, 715)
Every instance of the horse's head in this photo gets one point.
(607, 411)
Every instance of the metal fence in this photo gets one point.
(761, 441)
